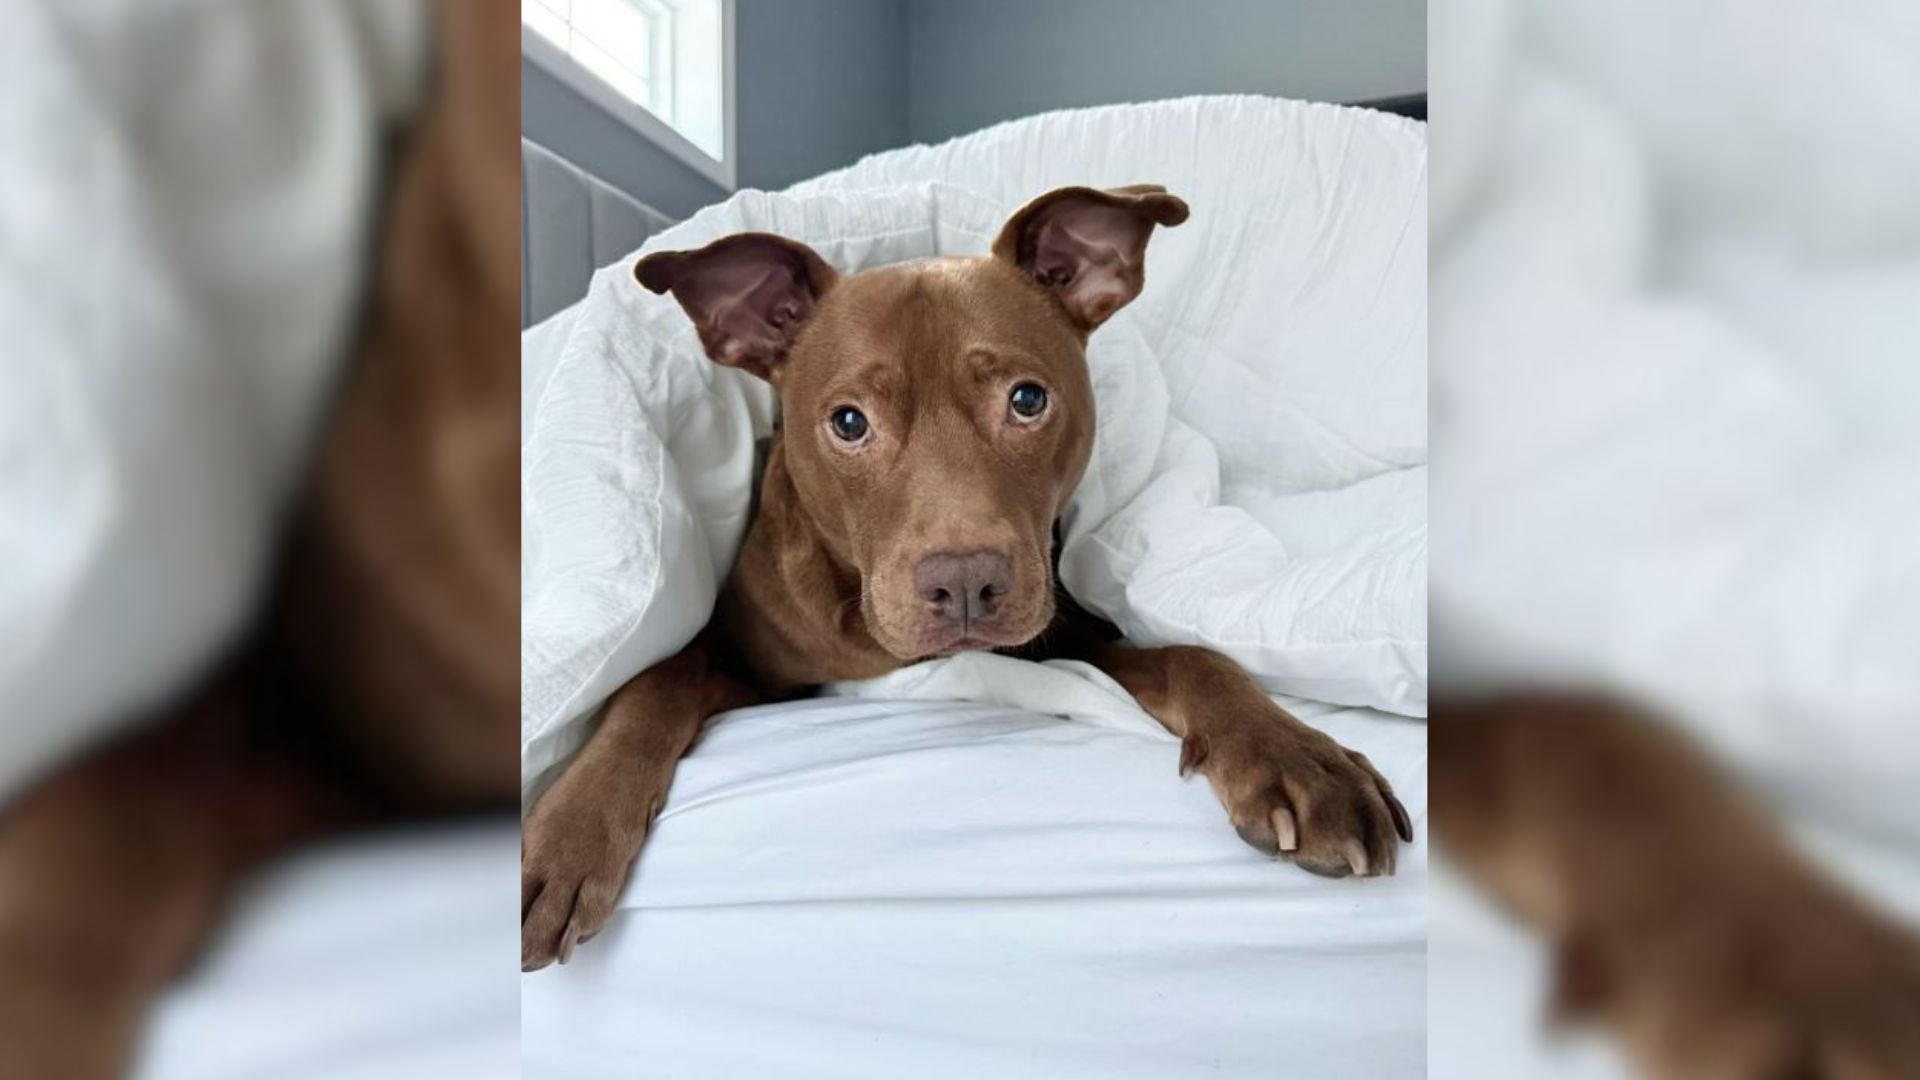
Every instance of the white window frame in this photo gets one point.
(554, 61)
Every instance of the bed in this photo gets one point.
(571, 224)
(981, 867)
(864, 888)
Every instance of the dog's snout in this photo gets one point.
(964, 587)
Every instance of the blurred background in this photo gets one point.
(1676, 316)
(245, 252)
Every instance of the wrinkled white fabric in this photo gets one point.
(872, 888)
(1258, 480)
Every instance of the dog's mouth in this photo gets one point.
(904, 623)
(921, 641)
(929, 643)
(935, 642)
(972, 643)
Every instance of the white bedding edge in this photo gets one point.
(872, 888)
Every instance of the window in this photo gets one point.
(664, 66)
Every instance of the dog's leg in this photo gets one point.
(1289, 789)
(114, 870)
(1682, 920)
(580, 839)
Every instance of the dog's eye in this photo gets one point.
(1027, 401)
(849, 424)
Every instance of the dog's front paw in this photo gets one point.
(1292, 791)
(575, 854)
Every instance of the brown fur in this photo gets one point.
(927, 348)
(827, 585)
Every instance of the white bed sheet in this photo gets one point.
(856, 888)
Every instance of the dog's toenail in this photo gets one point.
(1286, 829)
(1357, 857)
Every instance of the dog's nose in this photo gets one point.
(964, 587)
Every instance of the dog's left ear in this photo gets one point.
(1087, 246)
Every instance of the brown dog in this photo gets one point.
(937, 416)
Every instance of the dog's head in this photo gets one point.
(936, 415)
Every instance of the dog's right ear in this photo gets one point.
(748, 295)
(1088, 247)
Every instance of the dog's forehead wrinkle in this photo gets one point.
(917, 345)
(894, 319)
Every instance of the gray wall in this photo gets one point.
(552, 114)
(976, 62)
(818, 84)
(821, 83)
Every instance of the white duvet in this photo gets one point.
(1258, 480)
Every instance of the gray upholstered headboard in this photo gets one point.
(571, 224)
